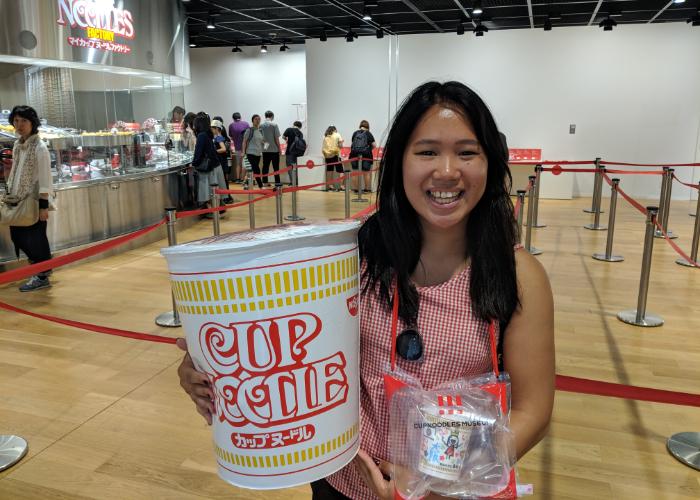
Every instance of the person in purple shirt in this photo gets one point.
(235, 131)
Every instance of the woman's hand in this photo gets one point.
(43, 214)
(196, 384)
(373, 475)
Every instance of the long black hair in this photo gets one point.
(202, 123)
(28, 113)
(391, 239)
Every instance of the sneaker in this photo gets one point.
(35, 283)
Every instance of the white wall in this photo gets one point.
(249, 82)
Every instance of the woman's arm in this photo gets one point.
(528, 354)
(220, 147)
(199, 149)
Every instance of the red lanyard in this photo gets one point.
(395, 323)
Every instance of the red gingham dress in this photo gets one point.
(455, 343)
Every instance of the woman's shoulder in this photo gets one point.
(531, 275)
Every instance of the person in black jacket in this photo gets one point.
(204, 150)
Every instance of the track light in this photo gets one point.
(236, 49)
(480, 29)
(192, 44)
(477, 10)
(678, 1)
(284, 48)
(323, 36)
(210, 23)
(366, 14)
(380, 33)
(460, 28)
(350, 36)
(607, 24)
(263, 49)
(548, 24)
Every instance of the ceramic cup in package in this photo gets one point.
(271, 316)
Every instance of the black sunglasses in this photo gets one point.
(409, 345)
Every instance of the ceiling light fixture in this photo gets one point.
(480, 29)
(695, 20)
(678, 1)
(607, 24)
(380, 33)
(548, 24)
(350, 36)
(323, 36)
(210, 22)
(477, 10)
(263, 49)
(554, 16)
(366, 14)
(460, 28)
(192, 44)
(284, 48)
(236, 49)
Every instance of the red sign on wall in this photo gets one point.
(519, 154)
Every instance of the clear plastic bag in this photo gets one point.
(453, 440)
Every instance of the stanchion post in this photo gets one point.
(346, 171)
(215, 201)
(535, 221)
(596, 177)
(685, 447)
(608, 255)
(170, 319)
(251, 205)
(597, 195)
(530, 212)
(665, 210)
(295, 184)
(12, 450)
(519, 215)
(696, 238)
(640, 317)
(662, 201)
(278, 203)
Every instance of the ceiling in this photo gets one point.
(254, 22)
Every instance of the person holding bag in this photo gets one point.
(25, 206)
(205, 161)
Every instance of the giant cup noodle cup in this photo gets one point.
(271, 316)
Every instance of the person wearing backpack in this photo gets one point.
(332, 142)
(222, 144)
(296, 145)
(205, 161)
(361, 147)
(253, 148)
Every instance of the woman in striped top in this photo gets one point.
(444, 236)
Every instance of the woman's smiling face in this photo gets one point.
(444, 168)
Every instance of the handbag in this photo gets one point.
(204, 166)
(18, 212)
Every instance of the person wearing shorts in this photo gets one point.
(361, 147)
(332, 142)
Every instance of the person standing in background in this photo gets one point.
(361, 147)
(291, 153)
(271, 146)
(236, 129)
(30, 178)
(332, 142)
(253, 148)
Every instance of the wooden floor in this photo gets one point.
(105, 417)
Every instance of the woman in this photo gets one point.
(30, 177)
(253, 147)
(189, 138)
(332, 142)
(204, 149)
(222, 146)
(361, 147)
(444, 231)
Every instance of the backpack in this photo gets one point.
(298, 146)
(360, 142)
(330, 146)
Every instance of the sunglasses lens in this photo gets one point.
(409, 345)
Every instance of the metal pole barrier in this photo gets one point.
(347, 192)
(535, 223)
(215, 202)
(639, 317)
(598, 195)
(360, 182)
(12, 450)
(596, 176)
(608, 256)
(278, 203)
(519, 215)
(295, 183)
(685, 447)
(251, 205)
(530, 211)
(696, 238)
(667, 206)
(170, 319)
(662, 201)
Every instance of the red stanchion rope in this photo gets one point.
(627, 197)
(694, 186)
(32, 269)
(585, 170)
(552, 162)
(650, 164)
